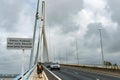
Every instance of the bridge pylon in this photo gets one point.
(42, 38)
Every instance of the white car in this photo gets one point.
(54, 66)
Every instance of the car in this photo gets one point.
(54, 66)
(47, 64)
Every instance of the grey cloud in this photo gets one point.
(69, 26)
(61, 12)
(92, 37)
(114, 7)
(10, 61)
(58, 13)
(113, 42)
(110, 40)
(115, 47)
(9, 13)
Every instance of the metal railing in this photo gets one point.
(26, 74)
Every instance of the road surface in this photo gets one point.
(73, 74)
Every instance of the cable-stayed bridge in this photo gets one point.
(67, 71)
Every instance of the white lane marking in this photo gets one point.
(53, 74)
(46, 78)
(97, 79)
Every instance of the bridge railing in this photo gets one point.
(105, 68)
(26, 74)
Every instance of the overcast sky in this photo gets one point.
(67, 22)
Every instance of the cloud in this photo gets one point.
(67, 21)
(16, 20)
(60, 13)
(9, 13)
(89, 19)
(114, 35)
(114, 9)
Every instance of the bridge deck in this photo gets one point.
(35, 76)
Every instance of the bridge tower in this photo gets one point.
(42, 40)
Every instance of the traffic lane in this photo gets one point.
(64, 76)
(72, 74)
(67, 74)
(49, 75)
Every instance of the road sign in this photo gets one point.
(19, 43)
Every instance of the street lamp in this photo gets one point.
(101, 45)
(66, 56)
(77, 52)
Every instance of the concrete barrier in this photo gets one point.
(104, 68)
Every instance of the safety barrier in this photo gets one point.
(94, 67)
(26, 74)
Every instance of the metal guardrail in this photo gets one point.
(110, 68)
(26, 74)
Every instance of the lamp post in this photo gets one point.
(77, 52)
(66, 55)
(101, 45)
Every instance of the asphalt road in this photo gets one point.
(72, 74)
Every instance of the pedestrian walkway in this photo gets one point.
(35, 76)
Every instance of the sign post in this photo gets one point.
(20, 43)
(23, 61)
